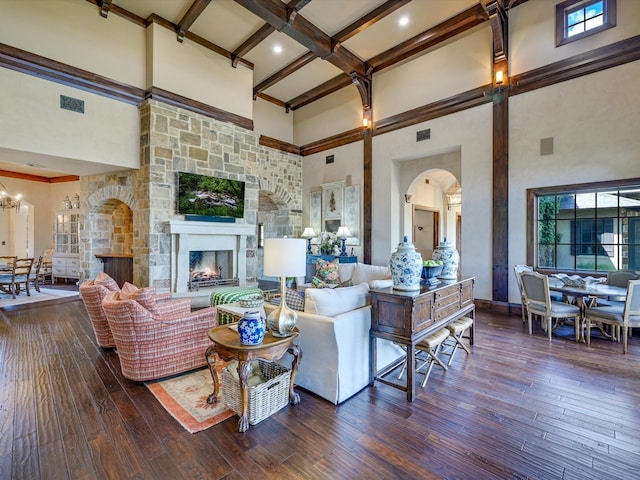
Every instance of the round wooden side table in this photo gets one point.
(226, 344)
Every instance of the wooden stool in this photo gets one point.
(430, 346)
(456, 329)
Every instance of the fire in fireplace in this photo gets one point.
(211, 269)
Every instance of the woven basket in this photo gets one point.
(264, 399)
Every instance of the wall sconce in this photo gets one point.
(407, 198)
(499, 77)
(365, 122)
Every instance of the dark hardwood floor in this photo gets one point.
(518, 407)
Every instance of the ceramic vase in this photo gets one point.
(450, 259)
(252, 328)
(406, 266)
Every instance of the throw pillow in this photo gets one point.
(334, 301)
(317, 283)
(146, 297)
(327, 271)
(366, 273)
(106, 281)
(294, 298)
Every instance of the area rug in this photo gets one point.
(44, 294)
(185, 398)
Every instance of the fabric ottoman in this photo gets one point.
(224, 295)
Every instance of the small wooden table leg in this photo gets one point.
(294, 398)
(210, 355)
(243, 372)
(411, 365)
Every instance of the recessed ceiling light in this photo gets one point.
(403, 21)
(277, 49)
(34, 165)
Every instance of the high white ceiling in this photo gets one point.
(228, 24)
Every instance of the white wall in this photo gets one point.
(596, 138)
(532, 41)
(468, 131)
(196, 72)
(272, 121)
(73, 32)
(31, 120)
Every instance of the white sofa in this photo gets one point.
(334, 339)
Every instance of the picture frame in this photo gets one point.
(332, 201)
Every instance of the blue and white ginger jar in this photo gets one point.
(252, 328)
(450, 259)
(406, 266)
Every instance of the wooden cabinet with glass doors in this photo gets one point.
(66, 260)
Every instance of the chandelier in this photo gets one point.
(7, 201)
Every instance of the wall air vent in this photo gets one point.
(73, 104)
(423, 135)
(329, 159)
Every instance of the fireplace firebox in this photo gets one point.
(211, 269)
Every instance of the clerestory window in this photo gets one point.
(585, 228)
(578, 19)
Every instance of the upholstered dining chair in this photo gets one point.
(617, 278)
(538, 302)
(153, 343)
(518, 269)
(17, 273)
(620, 318)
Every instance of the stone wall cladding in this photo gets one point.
(172, 140)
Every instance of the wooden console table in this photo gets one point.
(408, 317)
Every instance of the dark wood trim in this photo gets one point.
(163, 22)
(364, 87)
(367, 210)
(499, 28)
(500, 207)
(608, 21)
(26, 62)
(456, 103)
(334, 141)
(304, 32)
(279, 145)
(333, 85)
(120, 12)
(612, 55)
(39, 178)
(274, 100)
(457, 24)
(195, 10)
(369, 19)
(287, 70)
(174, 99)
(251, 42)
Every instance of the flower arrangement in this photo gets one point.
(328, 243)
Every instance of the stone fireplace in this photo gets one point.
(188, 237)
(173, 140)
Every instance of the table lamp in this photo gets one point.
(343, 233)
(284, 257)
(308, 233)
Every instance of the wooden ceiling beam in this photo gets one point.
(289, 22)
(328, 87)
(196, 8)
(251, 42)
(369, 19)
(104, 8)
(457, 24)
(274, 100)
(284, 72)
(499, 30)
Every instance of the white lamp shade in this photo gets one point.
(343, 232)
(285, 257)
(308, 233)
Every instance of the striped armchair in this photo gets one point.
(160, 343)
(94, 291)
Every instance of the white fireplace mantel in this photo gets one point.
(187, 236)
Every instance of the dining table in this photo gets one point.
(586, 296)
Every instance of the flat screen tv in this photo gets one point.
(210, 196)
